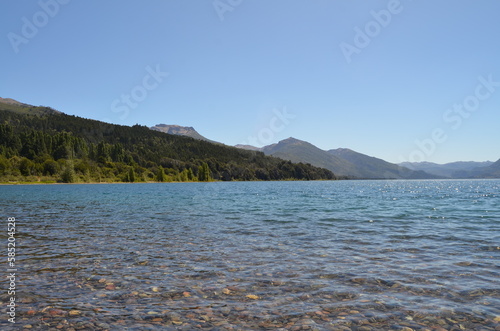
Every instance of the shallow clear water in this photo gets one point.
(258, 254)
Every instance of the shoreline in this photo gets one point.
(244, 181)
(173, 182)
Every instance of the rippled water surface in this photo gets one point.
(341, 255)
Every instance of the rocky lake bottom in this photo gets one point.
(350, 255)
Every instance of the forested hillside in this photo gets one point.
(41, 144)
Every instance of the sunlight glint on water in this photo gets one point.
(377, 247)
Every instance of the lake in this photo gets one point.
(326, 255)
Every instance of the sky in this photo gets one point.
(399, 80)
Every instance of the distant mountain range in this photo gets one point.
(471, 169)
(347, 163)
(344, 162)
(372, 167)
(493, 171)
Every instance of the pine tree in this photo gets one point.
(160, 176)
(131, 175)
(184, 176)
(201, 175)
(27, 167)
(190, 175)
(204, 174)
(102, 153)
(68, 175)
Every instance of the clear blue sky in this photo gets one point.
(232, 64)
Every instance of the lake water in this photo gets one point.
(337, 255)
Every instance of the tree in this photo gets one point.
(82, 167)
(68, 174)
(4, 165)
(190, 175)
(160, 175)
(102, 153)
(204, 173)
(183, 176)
(130, 176)
(117, 153)
(262, 174)
(27, 167)
(50, 167)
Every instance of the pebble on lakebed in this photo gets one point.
(296, 307)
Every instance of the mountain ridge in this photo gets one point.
(293, 149)
(360, 164)
(373, 167)
(344, 162)
(454, 170)
(248, 147)
(187, 131)
(10, 101)
(347, 163)
(39, 144)
(24, 108)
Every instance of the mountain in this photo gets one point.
(450, 170)
(300, 151)
(50, 142)
(248, 147)
(491, 171)
(372, 167)
(343, 162)
(180, 131)
(10, 101)
(23, 108)
(41, 144)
